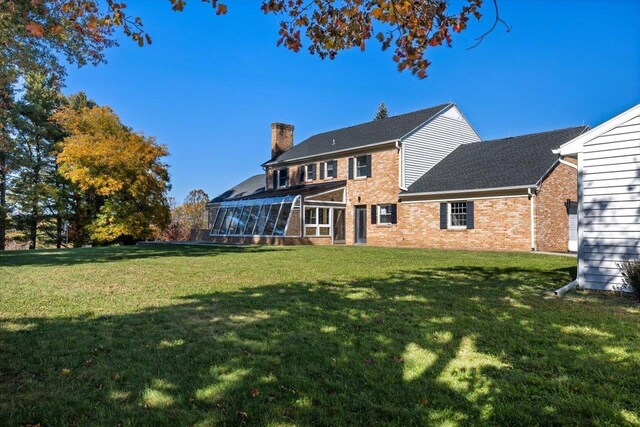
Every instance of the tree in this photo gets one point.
(122, 168)
(7, 147)
(382, 112)
(195, 209)
(35, 188)
(37, 32)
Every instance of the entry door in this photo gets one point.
(361, 224)
(573, 226)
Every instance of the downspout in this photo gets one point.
(532, 218)
(400, 166)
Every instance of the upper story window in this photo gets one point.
(310, 170)
(281, 178)
(360, 167)
(331, 169)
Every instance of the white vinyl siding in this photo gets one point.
(428, 145)
(610, 205)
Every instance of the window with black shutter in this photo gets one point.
(332, 169)
(363, 166)
(311, 171)
(323, 165)
(351, 167)
(374, 214)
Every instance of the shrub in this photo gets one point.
(631, 275)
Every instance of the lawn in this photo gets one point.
(310, 336)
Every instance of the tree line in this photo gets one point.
(71, 173)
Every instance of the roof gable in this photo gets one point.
(576, 145)
(509, 162)
(375, 132)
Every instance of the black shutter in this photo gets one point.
(394, 214)
(302, 173)
(350, 167)
(443, 216)
(335, 168)
(368, 166)
(274, 178)
(374, 214)
(322, 166)
(470, 215)
(286, 174)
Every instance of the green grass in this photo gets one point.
(310, 335)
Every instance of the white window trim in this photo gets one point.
(317, 224)
(379, 215)
(454, 227)
(326, 169)
(306, 172)
(355, 166)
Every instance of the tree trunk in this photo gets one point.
(58, 231)
(3, 198)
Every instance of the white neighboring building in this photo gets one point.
(608, 198)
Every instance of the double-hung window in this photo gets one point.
(281, 178)
(331, 169)
(316, 222)
(385, 215)
(458, 215)
(362, 166)
(310, 172)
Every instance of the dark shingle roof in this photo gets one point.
(249, 187)
(388, 129)
(508, 162)
(253, 188)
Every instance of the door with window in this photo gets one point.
(361, 224)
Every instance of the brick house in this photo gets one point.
(422, 179)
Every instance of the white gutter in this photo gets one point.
(564, 162)
(329, 153)
(475, 190)
(533, 222)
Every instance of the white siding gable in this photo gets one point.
(610, 204)
(432, 142)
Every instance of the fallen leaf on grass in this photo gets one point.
(368, 361)
(255, 392)
(65, 372)
(243, 415)
(398, 359)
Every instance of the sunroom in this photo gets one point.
(310, 212)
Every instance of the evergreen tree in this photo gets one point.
(382, 112)
(36, 189)
(7, 147)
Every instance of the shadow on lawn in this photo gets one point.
(61, 257)
(468, 345)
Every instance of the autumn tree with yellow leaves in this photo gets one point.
(121, 168)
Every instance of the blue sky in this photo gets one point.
(210, 86)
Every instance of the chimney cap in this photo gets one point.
(281, 126)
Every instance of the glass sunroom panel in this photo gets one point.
(271, 219)
(283, 218)
(252, 219)
(227, 220)
(219, 220)
(242, 219)
(233, 223)
(262, 220)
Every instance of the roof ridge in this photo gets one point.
(387, 118)
(527, 134)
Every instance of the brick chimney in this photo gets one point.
(281, 138)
